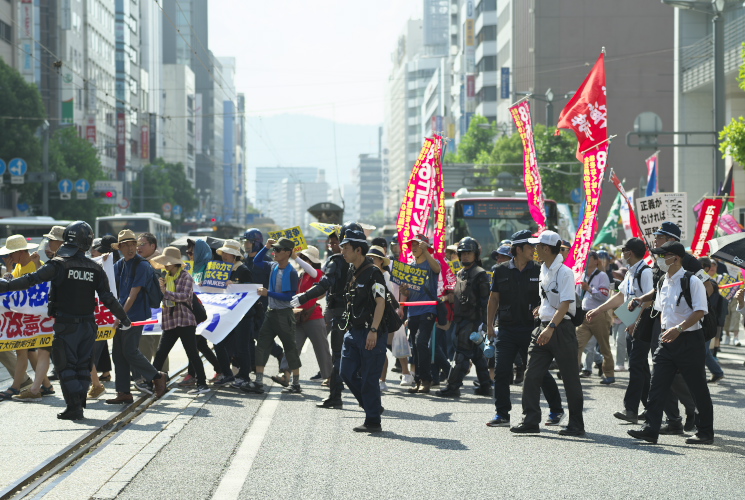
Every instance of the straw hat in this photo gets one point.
(16, 243)
(312, 253)
(169, 257)
(55, 234)
(124, 236)
(376, 251)
(230, 247)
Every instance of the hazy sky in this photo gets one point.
(326, 58)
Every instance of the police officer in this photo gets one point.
(557, 339)
(364, 346)
(681, 345)
(471, 298)
(514, 296)
(75, 281)
(332, 284)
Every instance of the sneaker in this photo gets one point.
(292, 389)
(621, 368)
(27, 396)
(585, 374)
(608, 380)
(383, 386)
(253, 388)
(96, 392)
(627, 416)
(146, 387)
(498, 421)
(223, 381)
(238, 382)
(555, 418)
(200, 389)
(215, 378)
(281, 380)
(525, 429)
(407, 380)
(317, 376)
(188, 381)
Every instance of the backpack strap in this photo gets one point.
(685, 285)
(638, 274)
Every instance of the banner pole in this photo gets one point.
(521, 100)
(598, 144)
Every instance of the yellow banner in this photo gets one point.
(293, 233)
(326, 229)
(104, 333)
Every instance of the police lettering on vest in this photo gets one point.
(77, 274)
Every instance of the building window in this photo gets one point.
(6, 32)
(486, 94)
(487, 33)
(485, 6)
(487, 63)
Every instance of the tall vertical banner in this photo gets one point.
(532, 177)
(653, 183)
(587, 114)
(425, 189)
(706, 227)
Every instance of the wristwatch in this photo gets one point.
(374, 330)
(552, 325)
(680, 330)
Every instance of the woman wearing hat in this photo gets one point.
(177, 319)
(238, 342)
(309, 320)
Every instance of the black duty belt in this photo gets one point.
(74, 321)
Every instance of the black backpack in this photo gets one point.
(197, 308)
(709, 321)
(152, 285)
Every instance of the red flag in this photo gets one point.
(586, 113)
(706, 226)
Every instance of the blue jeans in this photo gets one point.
(712, 364)
(360, 369)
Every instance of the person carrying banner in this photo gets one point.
(681, 345)
(557, 340)
(75, 280)
(513, 298)
(280, 320)
(363, 351)
(471, 300)
(333, 282)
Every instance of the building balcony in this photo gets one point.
(697, 60)
(487, 108)
(488, 48)
(488, 18)
(486, 79)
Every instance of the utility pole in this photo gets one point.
(719, 95)
(45, 161)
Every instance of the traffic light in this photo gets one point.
(107, 196)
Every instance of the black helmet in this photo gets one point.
(469, 244)
(350, 225)
(77, 236)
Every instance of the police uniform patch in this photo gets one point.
(378, 290)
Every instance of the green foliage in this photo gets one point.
(164, 182)
(72, 157)
(477, 139)
(18, 135)
(732, 137)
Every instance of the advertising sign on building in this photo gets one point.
(471, 86)
(145, 141)
(504, 84)
(90, 130)
(26, 38)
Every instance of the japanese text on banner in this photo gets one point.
(654, 210)
(595, 162)
(706, 227)
(440, 239)
(404, 274)
(294, 233)
(326, 229)
(217, 274)
(531, 175)
(415, 208)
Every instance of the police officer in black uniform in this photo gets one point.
(332, 284)
(471, 298)
(72, 302)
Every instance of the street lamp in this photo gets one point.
(548, 98)
(716, 9)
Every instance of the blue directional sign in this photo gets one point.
(82, 186)
(2, 167)
(65, 186)
(17, 167)
(178, 210)
(23, 207)
(576, 195)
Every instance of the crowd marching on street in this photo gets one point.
(525, 321)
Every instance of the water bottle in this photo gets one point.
(477, 338)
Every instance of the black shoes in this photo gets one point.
(368, 428)
(74, 410)
(627, 415)
(715, 378)
(571, 431)
(672, 429)
(484, 390)
(335, 404)
(449, 392)
(525, 429)
(646, 434)
(585, 374)
(700, 439)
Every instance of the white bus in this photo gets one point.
(143, 222)
(33, 228)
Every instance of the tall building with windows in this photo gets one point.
(178, 133)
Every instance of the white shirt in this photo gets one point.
(666, 302)
(629, 287)
(557, 282)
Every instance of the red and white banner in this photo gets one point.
(531, 176)
(595, 162)
(706, 227)
(425, 187)
(729, 224)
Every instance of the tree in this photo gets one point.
(21, 103)
(732, 137)
(164, 183)
(73, 157)
(478, 138)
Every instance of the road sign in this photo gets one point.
(17, 168)
(167, 207)
(23, 207)
(65, 188)
(41, 177)
(124, 204)
(81, 189)
(177, 211)
(576, 195)
(2, 167)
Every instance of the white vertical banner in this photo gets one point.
(26, 39)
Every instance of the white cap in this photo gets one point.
(549, 238)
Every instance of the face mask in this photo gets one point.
(662, 264)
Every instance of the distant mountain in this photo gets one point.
(306, 141)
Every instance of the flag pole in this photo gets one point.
(655, 154)
(521, 100)
(599, 143)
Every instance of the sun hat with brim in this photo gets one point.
(230, 247)
(124, 236)
(170, 256)
(55, 234)
(16, 243)
(312, 254)
(376, 251)
(284, 244)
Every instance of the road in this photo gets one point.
(227, 444)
